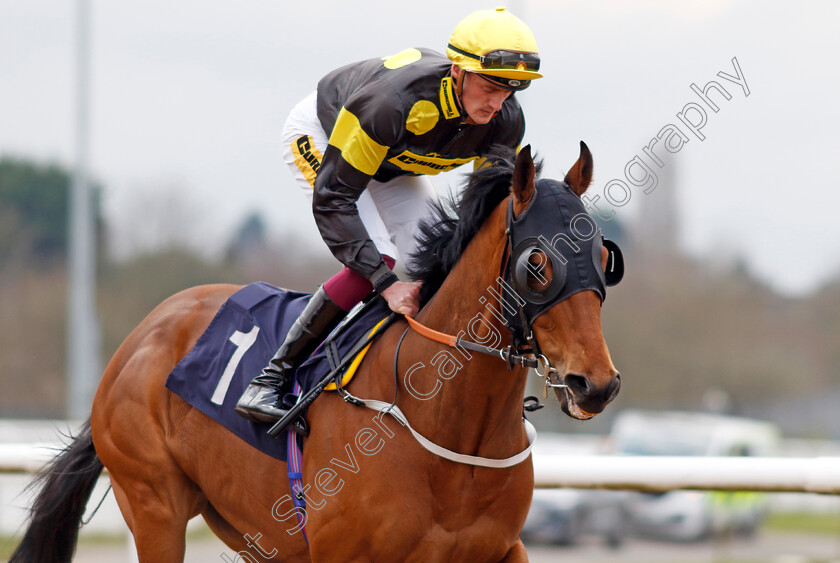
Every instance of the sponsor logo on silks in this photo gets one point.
(427, 164)
(447, 99)
(307, 158)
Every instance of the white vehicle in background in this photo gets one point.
(693, 515)
(563, 516)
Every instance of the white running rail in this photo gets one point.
(660, 473)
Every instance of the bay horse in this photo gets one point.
(373, 493)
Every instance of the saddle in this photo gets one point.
(242, 337)
(334, 362)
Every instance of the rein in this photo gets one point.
(507, 353)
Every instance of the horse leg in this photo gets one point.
(157, 514)
(517, 554)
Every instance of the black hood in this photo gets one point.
(557, 224)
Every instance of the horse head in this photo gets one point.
(559, 266)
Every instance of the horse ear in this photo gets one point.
(523, 180)
(580, 175)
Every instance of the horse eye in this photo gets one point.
(539, 271)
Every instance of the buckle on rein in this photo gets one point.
(549, 374)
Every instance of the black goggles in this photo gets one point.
(502, 59)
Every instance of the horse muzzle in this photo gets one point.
(581, 398)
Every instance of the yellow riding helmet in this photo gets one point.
(497, 45)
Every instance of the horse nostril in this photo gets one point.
(614, 387)
(578, 384)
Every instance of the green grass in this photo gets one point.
(8, 543)
(7, 546)
(827, 524)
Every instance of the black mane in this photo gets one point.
(453, 222)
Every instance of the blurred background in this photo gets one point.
(731, 301)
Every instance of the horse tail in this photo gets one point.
(65, 486)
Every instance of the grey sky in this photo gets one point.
(188, 99)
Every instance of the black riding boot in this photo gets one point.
(260, 401)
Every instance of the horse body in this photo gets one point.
(372, 492)
(169, 462)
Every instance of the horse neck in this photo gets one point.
(482, 397)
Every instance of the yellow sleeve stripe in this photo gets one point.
(356, 146)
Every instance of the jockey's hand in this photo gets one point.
(403, 297)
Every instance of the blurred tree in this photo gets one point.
(676, 327)
(249, 239)
(34, 204)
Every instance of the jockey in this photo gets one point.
(361, 146)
